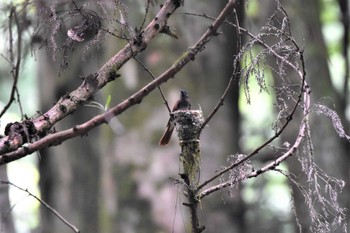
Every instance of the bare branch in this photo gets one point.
(153, 77)
(268, 167)
(65, 221)
(304, 96)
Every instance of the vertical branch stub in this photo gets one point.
(188, 124)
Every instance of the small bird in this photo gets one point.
(182, 104)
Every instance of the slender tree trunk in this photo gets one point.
(70, 173)
(227, 210)
(236, 210)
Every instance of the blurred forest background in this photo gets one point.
(116, 179)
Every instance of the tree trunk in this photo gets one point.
(330, 152)
(6, 224)
(69, 173)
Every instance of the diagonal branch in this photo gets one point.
(91, 84)
(65, 221)
(153, 77)
(59, 137)
(268, 167)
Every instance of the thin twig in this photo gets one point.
(15, 67)
(153, 77)
(146, 13)
(70, 225)
(232, 78)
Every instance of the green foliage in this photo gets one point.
(108, 102)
